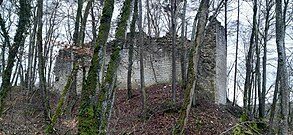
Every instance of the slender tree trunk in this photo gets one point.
(20, 71)
(14, 76)
(132, 38)
(254, 96)
(71, 96)
(250, 94)
(264, 65)
(290, 115)
(50, 29)
(247, 85)
(6, 42)
(273, 106)
(141, 47)
(174, 37)
(35, 61)
(258, 74)
(31, 55)
(236, 55)
(50, 62)
(194, 27)
(149, 21)
(192, 69)
(284, 85)
(183, 47)
(81, 34)
(153, 68)
(24, 20)
(57, 112)
(149, 38)
(226, 29)
(41, 63)
(77, 21)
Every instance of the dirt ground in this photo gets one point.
(24, 115)
(204, 119)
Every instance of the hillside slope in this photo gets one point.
(23, 116)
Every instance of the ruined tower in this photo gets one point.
(212, 79)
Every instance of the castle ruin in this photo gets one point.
(211, 82)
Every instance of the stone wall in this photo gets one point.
(211, 84)
(157, 65)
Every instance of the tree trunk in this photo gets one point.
(77, 22)
(87, 114)
(247, 84)
(108, 84)
(131, 39)
(81, 34)
(57, 112)
(183, 47)
(24, 20)
(41, 63)
(51, 22)
(273, 106)
(149, 38)
(174, 37)
(31, 56)
(149, 21)
(284, 85)
(192, 69)
(264, 77)
(5, 44)
(236, 55)
(141, 45)
(258, 74)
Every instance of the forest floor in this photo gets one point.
(204, 119)
(23, 116)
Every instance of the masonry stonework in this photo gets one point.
(212, 82)
(157, 65)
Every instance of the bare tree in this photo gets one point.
(41, 62)
(192, 68)
(173, 32)
(108, 85)
(141, 45)
(284, 85)
(249, 59)
(183, 47)
(236, 54)
(24, 16)
(87, 116)
(132, 38)
(268, 8)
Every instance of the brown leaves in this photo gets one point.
(206, 118)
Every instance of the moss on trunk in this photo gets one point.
(192, 69)
(112, 68)
(57, 112)
(87, 113)
(188, 94)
